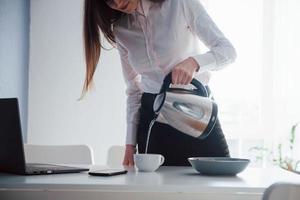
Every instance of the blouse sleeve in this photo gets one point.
(221, 51)
(133, 92)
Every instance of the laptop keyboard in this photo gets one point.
(44, 168)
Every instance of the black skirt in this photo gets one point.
(174, 145)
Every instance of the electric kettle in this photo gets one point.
(190, 111)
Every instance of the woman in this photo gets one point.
(154, 38)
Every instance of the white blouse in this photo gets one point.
(156, 37)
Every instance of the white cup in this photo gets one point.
(148, 162)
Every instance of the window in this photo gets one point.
(257, 95)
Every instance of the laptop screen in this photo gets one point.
(11, 143)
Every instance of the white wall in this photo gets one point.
(56, 75)
(14, 46)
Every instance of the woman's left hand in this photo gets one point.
(184, 72)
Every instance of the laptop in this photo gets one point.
(12, 158)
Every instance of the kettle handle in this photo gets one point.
(168, 80)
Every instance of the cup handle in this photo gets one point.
(162, 160)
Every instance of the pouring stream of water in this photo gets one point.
(149, 133)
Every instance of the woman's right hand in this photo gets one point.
(128, 157)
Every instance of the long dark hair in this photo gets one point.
(97, 16)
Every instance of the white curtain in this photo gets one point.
(286, 64)
(259, 95)
(286, 70)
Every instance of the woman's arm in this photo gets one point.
(221, 51)
(132, 79)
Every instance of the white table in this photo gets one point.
(167, 183)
